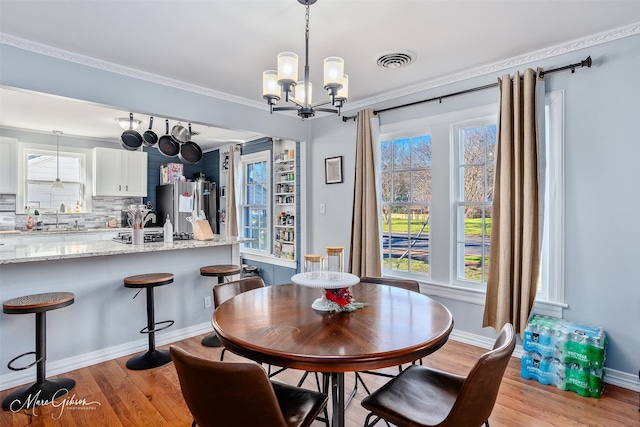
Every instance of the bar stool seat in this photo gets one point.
(220, 271)
(43, 391)
(153, 358)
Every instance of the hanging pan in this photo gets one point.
(180, 133)
(149, 136)
(190, 152)
(166, 144)
(130, 139)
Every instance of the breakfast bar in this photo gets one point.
(105, 320)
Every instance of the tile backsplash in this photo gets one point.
(104, 208)
(7, 202)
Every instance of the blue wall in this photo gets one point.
(209, 165)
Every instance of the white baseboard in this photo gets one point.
(13, 379)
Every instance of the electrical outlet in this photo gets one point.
(207, 302)
(323, 208)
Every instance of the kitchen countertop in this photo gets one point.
(13, 254)
(19, 233)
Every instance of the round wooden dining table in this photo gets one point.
(277, 325)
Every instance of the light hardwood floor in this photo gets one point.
(153, 398)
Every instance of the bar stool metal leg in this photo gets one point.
(212, 340)
(153, 358)
(44, 391)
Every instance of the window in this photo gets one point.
(256, 197)
(475, 167)
(406, 196)
(436, 190)
(42, 170)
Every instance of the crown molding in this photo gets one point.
(527, 58)
(88, 61)
(520, 60)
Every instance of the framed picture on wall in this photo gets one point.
(333, 170)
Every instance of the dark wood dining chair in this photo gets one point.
(225, 291)
(407, 284)
(228, 290)
(425, 397)
(240, 394)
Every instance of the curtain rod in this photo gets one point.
(541, 73)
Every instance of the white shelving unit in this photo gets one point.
(222, 208)
(284, 203)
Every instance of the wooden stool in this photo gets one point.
(220, 271)
(43, 391)
(152, 358)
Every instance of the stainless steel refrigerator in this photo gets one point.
(180, 199)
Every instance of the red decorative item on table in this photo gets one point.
(341, 296)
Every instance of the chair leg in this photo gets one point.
(359, 378)
(366, 421)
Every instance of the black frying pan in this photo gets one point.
(166, 144)
(190, 153)
(149, 137)
(130, 139)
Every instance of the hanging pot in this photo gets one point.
(149, 137)
(166, 144)
(130, 139)
(190, 152)
(180, 133)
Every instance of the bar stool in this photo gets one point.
(220, 271)
(43, 391)
(153, 357)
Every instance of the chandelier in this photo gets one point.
(285, 79)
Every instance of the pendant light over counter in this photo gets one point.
(57, 183)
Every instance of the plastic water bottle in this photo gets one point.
(168, 231)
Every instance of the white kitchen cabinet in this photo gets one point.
(8, 163)
(119, 173)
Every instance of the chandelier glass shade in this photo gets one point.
(285, 81)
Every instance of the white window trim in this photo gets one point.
(555, 168)
(24, 148)
(253, 158)
(457, 191)
(554, 304)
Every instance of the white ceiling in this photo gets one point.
(223, 46)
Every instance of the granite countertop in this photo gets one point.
(64, 231)
(13, 254)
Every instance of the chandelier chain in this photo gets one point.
(306, 17)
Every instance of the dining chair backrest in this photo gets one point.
(408, 284)
(226, 393)
(479, 391)
(228, 290)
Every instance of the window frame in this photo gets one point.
(409, 204)
(85, 195)
(549, 301)
(457, 170)
(245, 160)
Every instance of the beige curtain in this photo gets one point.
(515, 254)
(365, 258)
(231, 226)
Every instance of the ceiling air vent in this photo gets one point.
(395, 59)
